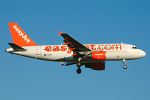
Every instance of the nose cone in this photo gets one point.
(142, 53)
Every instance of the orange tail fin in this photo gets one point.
(19, 37)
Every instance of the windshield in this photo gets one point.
(134, 47)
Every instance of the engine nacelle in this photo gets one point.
(96, 66)
(99, 55)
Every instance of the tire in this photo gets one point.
(78, 70)
(125, 67)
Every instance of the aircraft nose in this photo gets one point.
(142, 53)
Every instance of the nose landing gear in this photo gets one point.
(124, 62)
(125, 67)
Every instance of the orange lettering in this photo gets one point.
(101, 47)
(55, 48)
(48, 48)
(92, 47)
(69, 51)
(63, 48)
(87, 46)
(108, 47)
(116, 47)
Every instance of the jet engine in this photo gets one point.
(99, 55)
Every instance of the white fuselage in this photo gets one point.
(62, 53)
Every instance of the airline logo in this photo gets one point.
(106, 47)
(21, 34)
(113, 47)
(57, 48)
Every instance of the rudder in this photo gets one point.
(19, 37)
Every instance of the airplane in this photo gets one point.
(72, 52)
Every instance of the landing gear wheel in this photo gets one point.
(124, 62)
(78, 64)
(78, 70)
(125, 67)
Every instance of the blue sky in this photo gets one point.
(88, 21)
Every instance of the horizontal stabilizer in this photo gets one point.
(16, 47)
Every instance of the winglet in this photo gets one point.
(59, 32)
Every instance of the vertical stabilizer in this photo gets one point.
(19, 37)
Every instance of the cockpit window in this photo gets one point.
(134, 47)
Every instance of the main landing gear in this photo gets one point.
(79, 65)
(79, 70)
(124, 62)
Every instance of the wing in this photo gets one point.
(73, 44)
